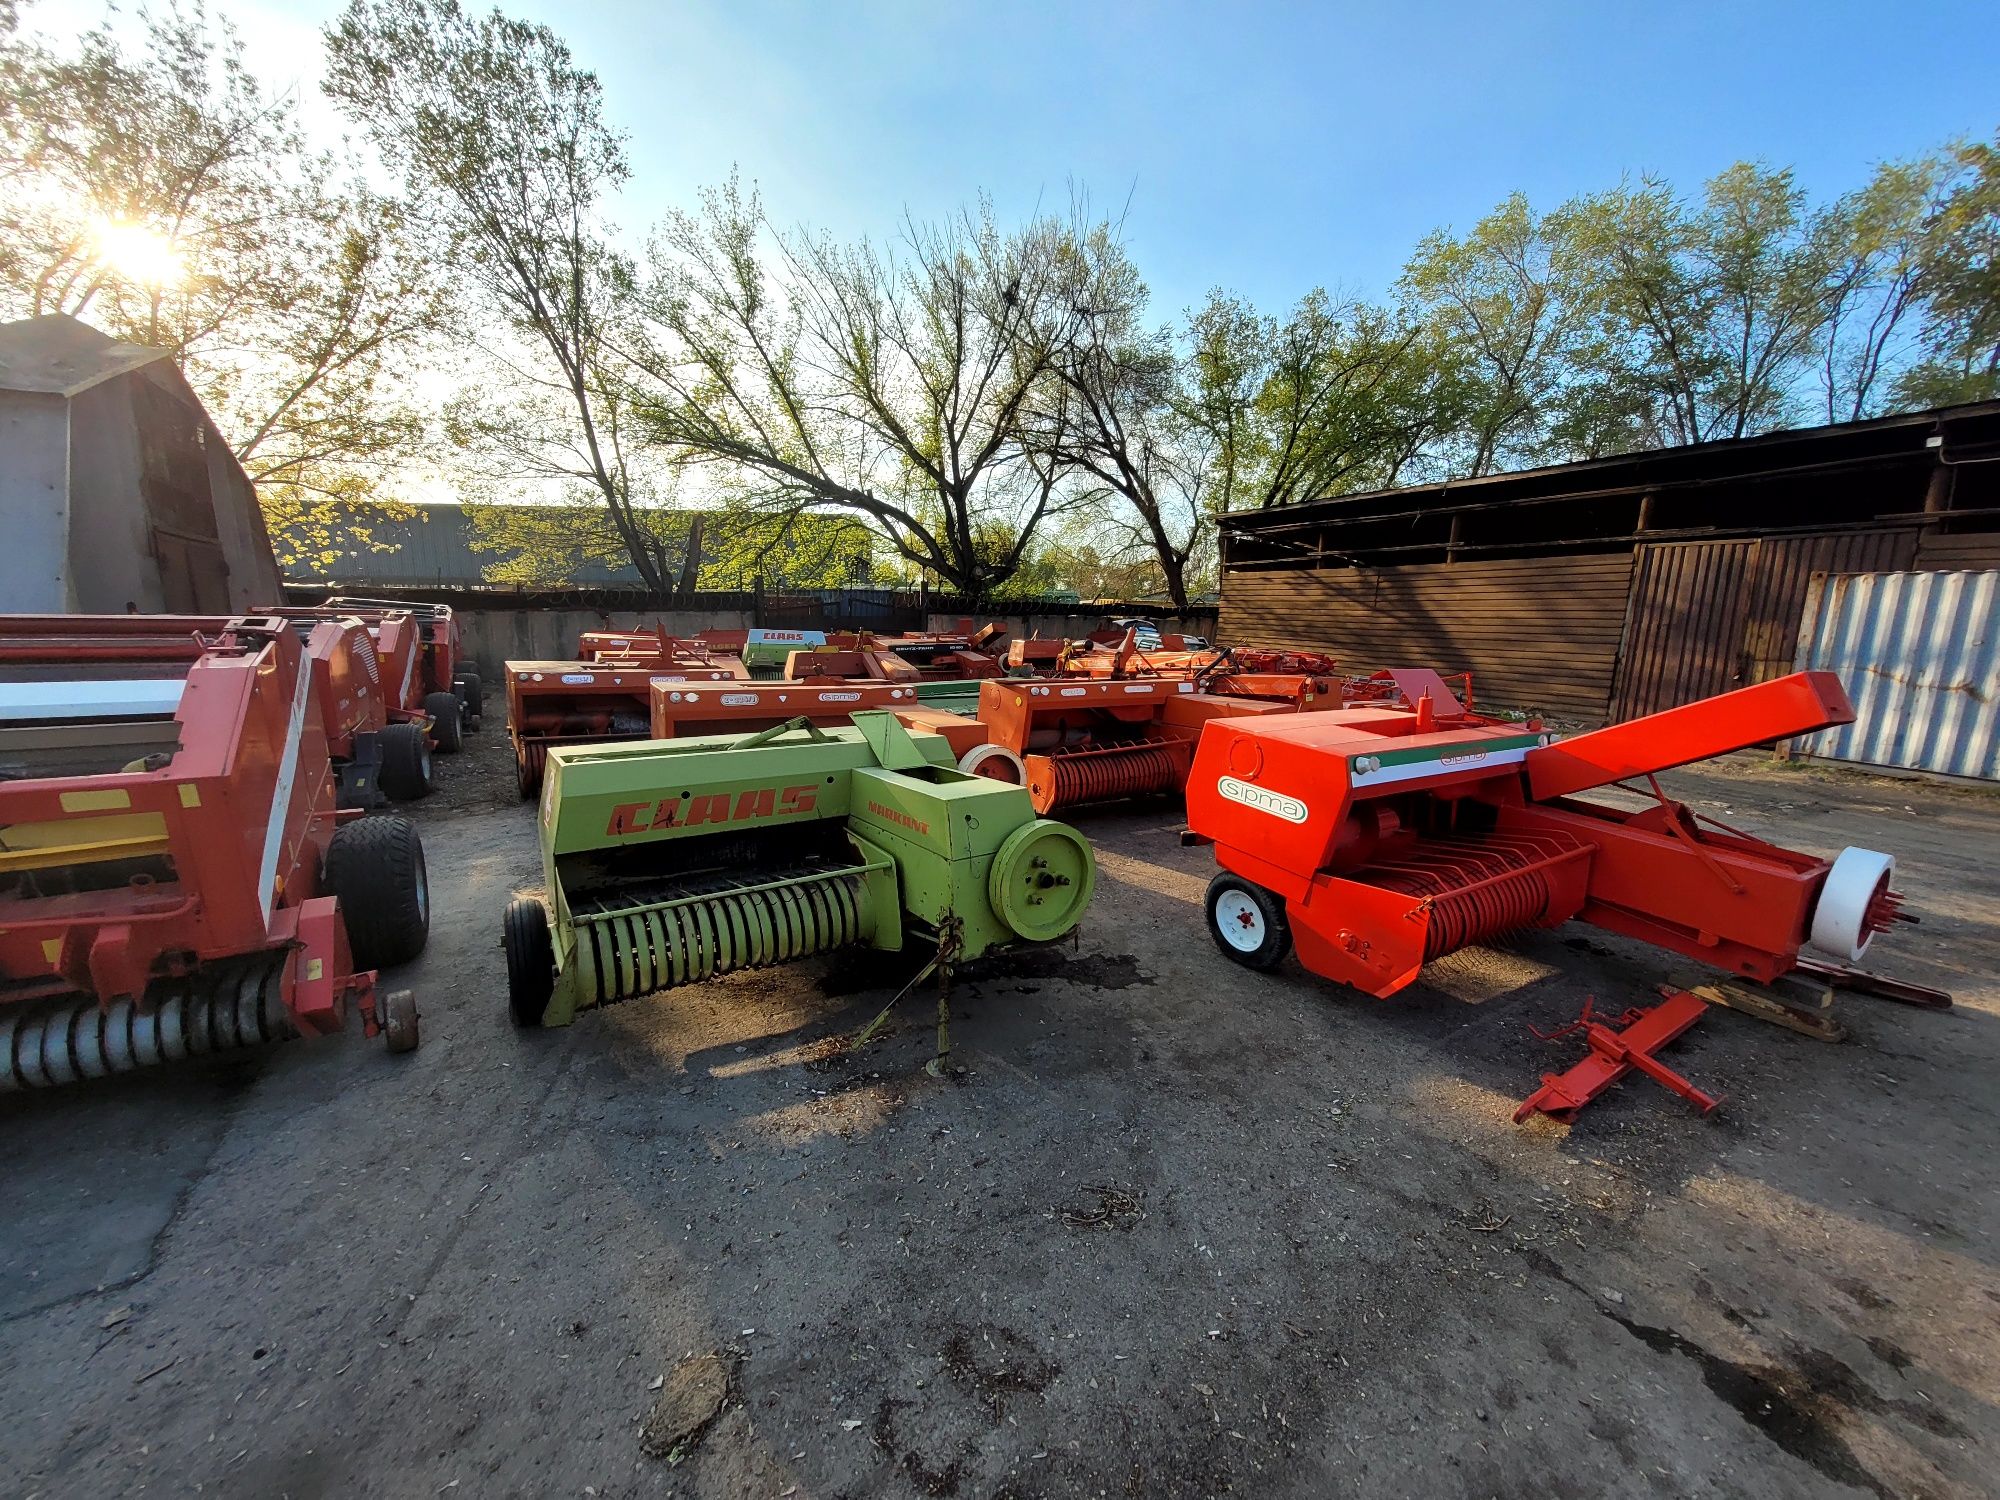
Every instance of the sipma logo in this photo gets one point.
(1277, 804)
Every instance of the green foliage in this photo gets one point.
(1961, 278)
(547, 546)
(311, 533)
(501, 138)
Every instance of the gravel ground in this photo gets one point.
(1178, 1230)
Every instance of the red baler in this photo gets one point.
(1381, 838)
(174, 878)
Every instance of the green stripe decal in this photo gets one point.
(1471, 752)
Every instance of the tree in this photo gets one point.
(891, 385)
(1714, 309)
(501, 139)
(1961, 278)
(167, 197)
(1338, 396)
(1886, 233)
(1115, 421)
(548, 546)
(1501, 302)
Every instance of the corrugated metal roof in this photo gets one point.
(1919, 654)
(56, 355)
(1902, 435)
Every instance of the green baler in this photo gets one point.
(672, 861)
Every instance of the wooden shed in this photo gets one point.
(1623, 585)
(117, 491)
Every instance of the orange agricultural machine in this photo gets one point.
(1073, 742)
(1379, 838)
(682, 710)
(571, 702)
(655, 651)
(174, 879)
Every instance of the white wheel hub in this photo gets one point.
(995, 762)
(1240, 921)
(1839, 923)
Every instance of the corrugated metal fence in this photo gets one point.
(1919, 654)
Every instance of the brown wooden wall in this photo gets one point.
(1536, 634)
(1708, 617)
(1977, 552)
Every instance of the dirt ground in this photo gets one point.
(1179, 1230)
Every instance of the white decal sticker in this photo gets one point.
(1072, 692)
(1138, 687)
(1277, 804)
(583, 677)
(739, 700)
(840, 697)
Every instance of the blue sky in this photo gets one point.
(1266, 148)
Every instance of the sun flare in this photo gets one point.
(137, 254)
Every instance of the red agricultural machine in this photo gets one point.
(655, 651)
(1074, 742)
(574, 702)
(406, 716)
(1380, 838)
(174, 878)
(683, 710)
(443, 666)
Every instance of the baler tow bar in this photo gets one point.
(1613, 1054)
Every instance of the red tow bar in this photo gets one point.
(1614, 1053)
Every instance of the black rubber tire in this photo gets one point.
(401, 1029)
(406, 763)
(472, 694)
(447, 716)
(1277, 940)
(531, 961)
(529, 762)
(375, 869)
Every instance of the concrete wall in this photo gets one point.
(34, 504)
(493, 636)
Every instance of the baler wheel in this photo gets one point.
(375, 869)
(447, 716)
(469, 690)
(1248, 922)
(399, 1021)
(529, 763)
(406, 762)
(531, 961)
